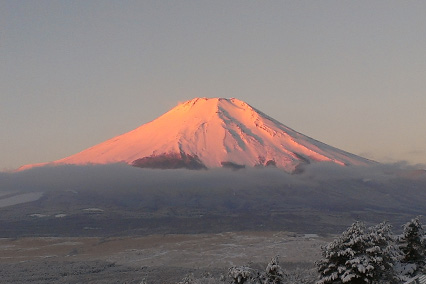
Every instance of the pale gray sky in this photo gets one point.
(351, 74)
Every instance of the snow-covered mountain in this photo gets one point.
(210, 133)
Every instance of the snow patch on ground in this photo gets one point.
(93, 210)
(311, 236)
(60, 215)
(4, 193)
(39, 215)
(20, 198)
(91, 228)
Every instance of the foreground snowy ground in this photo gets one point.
(155, 258)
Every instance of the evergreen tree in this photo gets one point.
(244, 275)
(359, 256)
(343, 259)
(413, 246)
(274, 273)
(382, 254)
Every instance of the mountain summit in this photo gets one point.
(211, 133)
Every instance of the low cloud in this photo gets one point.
(393, 189)
(121, 177)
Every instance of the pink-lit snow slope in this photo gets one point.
(215, 130)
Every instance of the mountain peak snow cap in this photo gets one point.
(210, 133)
(223, 107)
(209, 101)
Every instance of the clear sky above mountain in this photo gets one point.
(75, 73)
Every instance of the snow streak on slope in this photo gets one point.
(214, 132)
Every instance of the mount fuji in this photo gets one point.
(209, 133)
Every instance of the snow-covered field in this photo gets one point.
(198, 253)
